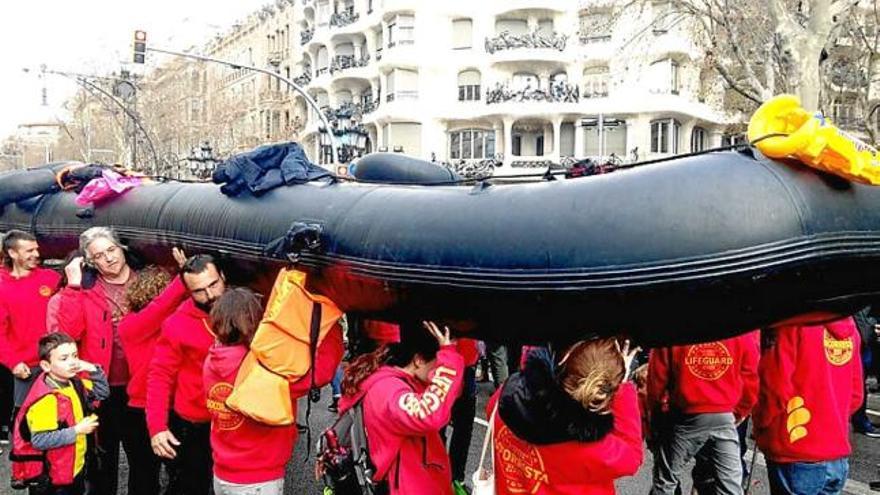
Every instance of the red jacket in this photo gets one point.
(811, 383)
(246, 451)
(139, 332)
(570, 467)
(23, 315)
(403, 418)
(176, 369)
(714, 377)
(85, 315)
(468, 350)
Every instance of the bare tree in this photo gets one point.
(765, 47)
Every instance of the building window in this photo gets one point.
(596, 82)
(662, 16)
(665, 75)
(595, 27)
(517, 145)
(525, 80)
(515, 27)
(539, 146)
(664, 136)
(698, 139)
(733, 139)
(462, 34)
(401, 31)
(471, 144)
(469, 85)
(843, 114)
(606, 139)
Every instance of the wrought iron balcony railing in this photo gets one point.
(343, 62)
(534, 39)
(344, 18)
(558, 92)
(306, 35)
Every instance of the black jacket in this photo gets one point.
(539, 412)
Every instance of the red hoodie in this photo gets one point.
(570, 467)
(139, 332)
(246, 451)
(468, 350)
(714, 377)
(85, 315)
(811, 383)
(23, 315)
(176, 369)
(403, 418)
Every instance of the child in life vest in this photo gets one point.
(52, 428)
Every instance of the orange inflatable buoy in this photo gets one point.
(782, 128)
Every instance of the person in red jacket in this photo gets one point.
(811, 383)
(571, 427)
(25, 289)
(408, 389)
(249, 457)
(177, 415)
(151, 299)
(90, 308)
(708, 390)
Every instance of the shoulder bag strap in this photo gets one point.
(490, 438)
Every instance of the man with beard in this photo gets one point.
(90, 308)
(177, 412)
(24, 292)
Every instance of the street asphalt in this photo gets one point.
(301, 478)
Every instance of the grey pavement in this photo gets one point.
(301, 478)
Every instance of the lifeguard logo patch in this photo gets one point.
(224, 418)
(838, 352)
(521, 467)
(708, 361)
(45, 291)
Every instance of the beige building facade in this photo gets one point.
(524, 83)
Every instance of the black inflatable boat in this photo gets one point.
(693, 249)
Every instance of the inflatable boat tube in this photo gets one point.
(401, 169)
(694, 249)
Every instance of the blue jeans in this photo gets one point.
(336, 383)
(808, 478)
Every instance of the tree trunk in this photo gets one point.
(809, 84)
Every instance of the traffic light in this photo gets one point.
(140, 46)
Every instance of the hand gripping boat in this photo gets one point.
(696, 248)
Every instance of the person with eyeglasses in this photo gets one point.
(178, 418)
(89, 310)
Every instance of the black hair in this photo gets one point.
(10, 241)
(51, 342)
(415, 340)
(198, 264)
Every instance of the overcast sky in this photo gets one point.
(91, 36)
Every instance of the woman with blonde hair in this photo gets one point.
(568, 427)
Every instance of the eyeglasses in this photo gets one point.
(105, 256)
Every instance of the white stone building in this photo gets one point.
(525, 81)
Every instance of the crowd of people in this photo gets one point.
(110, 355)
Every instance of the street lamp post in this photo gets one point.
(83, 80)
(202, 161)
(328, 129)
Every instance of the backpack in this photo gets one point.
(343, 462)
